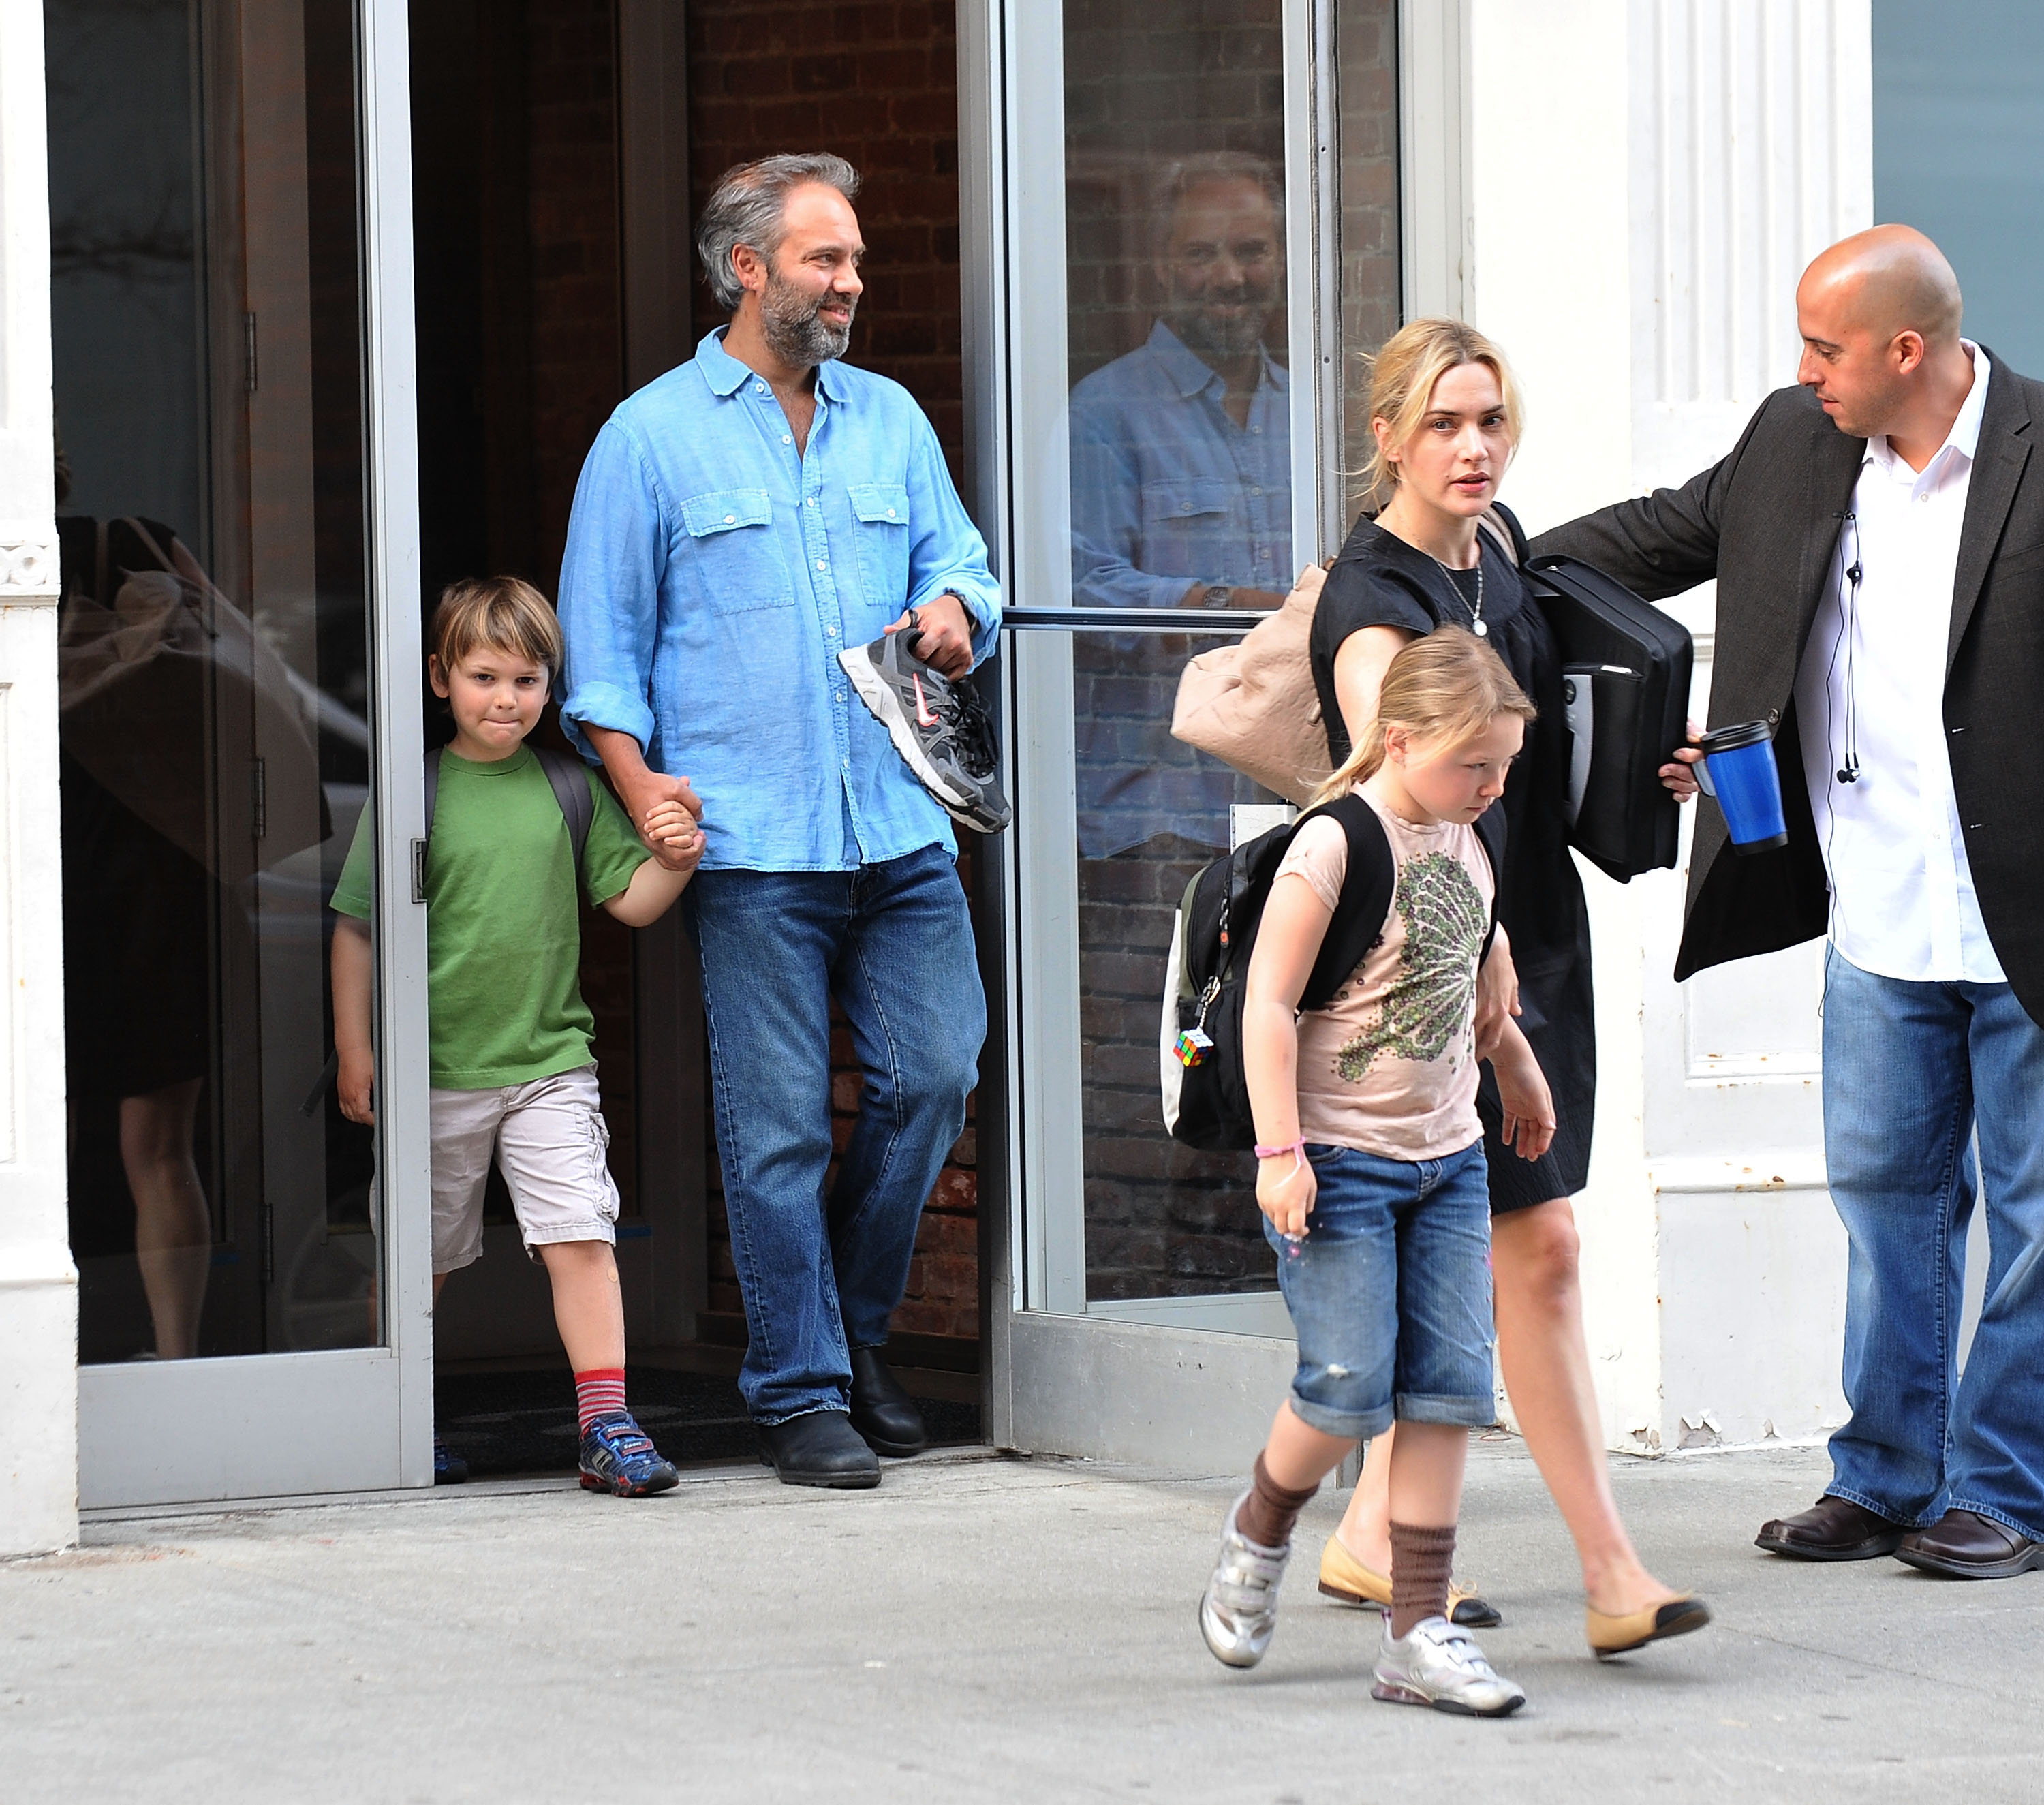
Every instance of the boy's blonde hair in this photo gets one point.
(1444, 690)
(505, 614)
(1402, 375)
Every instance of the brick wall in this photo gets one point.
(1367, 96)
(577, 351)
(877, 84)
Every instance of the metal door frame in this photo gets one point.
(358, 1418)
(1184, 1383)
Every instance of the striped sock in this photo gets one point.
(600, 1391)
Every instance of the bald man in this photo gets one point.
(1877, 539)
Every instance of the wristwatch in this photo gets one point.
(1218, 595)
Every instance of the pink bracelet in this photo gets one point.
(1296, 1148)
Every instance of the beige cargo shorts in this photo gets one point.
(550, 1141)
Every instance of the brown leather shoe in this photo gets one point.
(1831, 1530)
(1966, 1545)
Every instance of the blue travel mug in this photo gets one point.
(1738, 768)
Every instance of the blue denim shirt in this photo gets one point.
(712, 576)
(1166, 489)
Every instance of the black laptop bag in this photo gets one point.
(1625, 688)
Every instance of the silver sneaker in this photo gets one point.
(1440, 1665)
(1240, 1610)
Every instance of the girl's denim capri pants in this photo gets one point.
(1389, 1293)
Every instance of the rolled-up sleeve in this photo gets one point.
(948, 556)
(610, 592)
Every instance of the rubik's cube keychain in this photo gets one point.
(1194, 1043)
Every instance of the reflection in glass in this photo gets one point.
(1180, 497)
(213, 682)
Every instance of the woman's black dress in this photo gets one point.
(1380, 581)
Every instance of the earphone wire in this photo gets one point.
(1851, 570)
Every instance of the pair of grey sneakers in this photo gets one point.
(941, 727)
(1436, 1663)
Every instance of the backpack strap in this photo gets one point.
(1367, 888)
(432, 788)
(1503, 527)
(570, 777)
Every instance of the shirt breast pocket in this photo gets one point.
(739, 564)
(1189, 526)
(880, 510)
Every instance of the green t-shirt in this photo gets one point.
(503, 931)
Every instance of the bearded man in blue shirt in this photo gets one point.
(739, 522)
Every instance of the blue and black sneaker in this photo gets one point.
(618, 1457)
(449, 1467)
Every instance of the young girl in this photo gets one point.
(1371, 1172)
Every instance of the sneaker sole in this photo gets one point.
(1405, 1695)
(1240, 1660)
(879, 695)
(624, 1489)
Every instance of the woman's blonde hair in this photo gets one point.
(1444, 690)
(1402, 375)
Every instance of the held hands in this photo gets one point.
(1679, 773)
(1522, 1088)
(644, 790)
(1286, 1186)
(672, 835)
(943, 635)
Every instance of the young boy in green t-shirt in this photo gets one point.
(512, 1075)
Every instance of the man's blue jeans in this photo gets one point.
(1909, 1069)
(893, 943)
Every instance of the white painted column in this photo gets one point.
(38, 1284)
(1647, 178)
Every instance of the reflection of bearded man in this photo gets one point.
(793, 325)
(1222, 265)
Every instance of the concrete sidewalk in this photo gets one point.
(978, 1629)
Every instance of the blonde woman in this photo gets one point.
(1447, 416)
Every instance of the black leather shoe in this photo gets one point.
(1966, 1545)
(880, 1411)
(1831, 1530)
(819, 1449)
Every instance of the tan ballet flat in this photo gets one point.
(1348, 1582)
(1610, 1635)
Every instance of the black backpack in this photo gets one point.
(1205, 1094)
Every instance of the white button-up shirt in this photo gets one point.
(1871, 685)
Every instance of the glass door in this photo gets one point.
(1194, 227)
(227, 180)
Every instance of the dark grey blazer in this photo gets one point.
(1765, 522)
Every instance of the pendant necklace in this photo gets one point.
(1477, 624)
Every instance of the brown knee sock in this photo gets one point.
(1268, 1513)
(1421, 1560)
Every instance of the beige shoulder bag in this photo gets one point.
(1254, 705)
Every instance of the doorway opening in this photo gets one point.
(557, 147)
